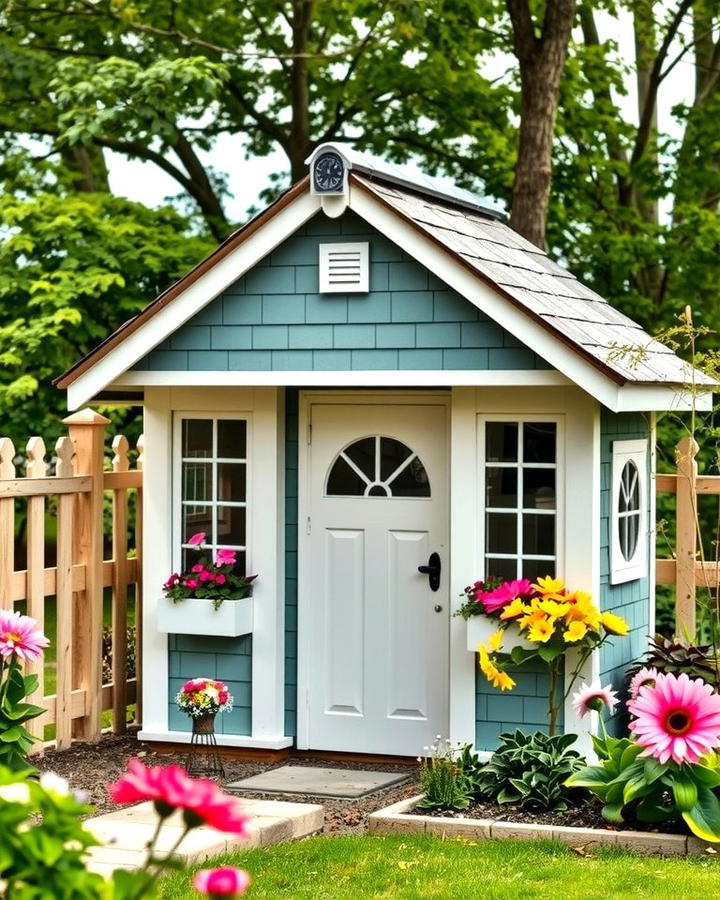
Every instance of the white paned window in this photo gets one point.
(211, 485)
(520, 469)
(628, 511)
(344, 268)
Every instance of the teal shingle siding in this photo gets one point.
(525, 707)
(230, 660)
(630, 600)
(273, 318)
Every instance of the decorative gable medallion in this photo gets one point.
(344, 268)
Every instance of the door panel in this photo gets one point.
(376, 648)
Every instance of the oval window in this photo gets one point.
(628, 510)
(377, 466)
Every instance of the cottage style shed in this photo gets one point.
(377, 374)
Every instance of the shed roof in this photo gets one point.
(557, 308)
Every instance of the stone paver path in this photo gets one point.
(125, 833)
(317, 781)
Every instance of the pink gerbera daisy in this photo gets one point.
(678, 718)
(593, 697)
(645, 676)
(20, 636)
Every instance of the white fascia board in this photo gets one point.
(662, 398)
(441, 263)
(223, 740)
(196, 296)
(350, 378)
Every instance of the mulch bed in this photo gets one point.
(585, 815)
(91, 767)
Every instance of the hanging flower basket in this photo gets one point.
(480, 628)
(197, 615)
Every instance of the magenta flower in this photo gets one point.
(198, 567)
(20, 636)
(202, 801)
(197, 539)
(593, 697)
(644, 676)
(225, 882)
(192, 583)
(225, 557)
(503, 594)
(678, 718)
(220, 579)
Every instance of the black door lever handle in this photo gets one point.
(432, 570)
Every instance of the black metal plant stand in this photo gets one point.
(204, 757)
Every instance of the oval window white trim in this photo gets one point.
(628, 560)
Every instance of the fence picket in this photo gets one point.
(36, 468)
(7, 525)
(120, 588)
(139, 465)
(64, 644)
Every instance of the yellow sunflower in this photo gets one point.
(613, 624)
(542, 630)
(575, 631)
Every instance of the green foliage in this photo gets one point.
(530, 770)
(639, 788)
(72, 269)
(445, 784)
(47, 861)
(15, 740)
(668, 655)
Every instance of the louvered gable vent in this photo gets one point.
(344, 268)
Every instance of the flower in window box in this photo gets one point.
(209, 579)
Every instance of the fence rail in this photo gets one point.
(686, 571)
(75, 496)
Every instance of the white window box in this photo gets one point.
(480, 629)
(197, 616)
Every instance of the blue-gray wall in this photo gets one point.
(230, 660)
(630, 600)
(274, 317)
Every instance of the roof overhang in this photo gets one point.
(108, 366)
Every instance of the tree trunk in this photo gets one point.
(542, 61)
(88, 171)
(300, 146)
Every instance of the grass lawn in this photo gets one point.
(406, 867)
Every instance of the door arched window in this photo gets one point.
(377, 466)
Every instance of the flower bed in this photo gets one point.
(402, 818)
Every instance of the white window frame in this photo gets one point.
(177, 499)
(559, 510)
(362, 285)
(623, 570)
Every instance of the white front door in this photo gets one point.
(375, 636)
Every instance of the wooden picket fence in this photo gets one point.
(686, 571)
(75, 492)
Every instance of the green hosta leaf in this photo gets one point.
(594, 778)
(651, 809)
(703, 818)
(653, 770)
(685, 791)
(704, 776)
(508, 796)
(636, 787)
(612, 812)
(629, 753)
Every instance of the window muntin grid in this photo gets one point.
(628, 510)
(213, 485)
(377, 466)
(520, 481)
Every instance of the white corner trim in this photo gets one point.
(271, 742)
(190, 301)
(348, 378)
(662, 398)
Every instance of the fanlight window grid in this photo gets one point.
(377, 466)
(628, 511)
(520, 498)
(213, 485)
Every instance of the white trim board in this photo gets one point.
(223, 740)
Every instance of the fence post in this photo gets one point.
(685, 567)
(87, 432)
(139, 465)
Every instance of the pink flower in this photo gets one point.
(195, 684)
(221, 882)
(503, 594)
(20, 636)
(198, 567)
(644, 676)
(197, 539)
(191, 583)
(225, 557)
(205, 575)
(220, 579)
(593, 697)
(678, 718)
(170, 788)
